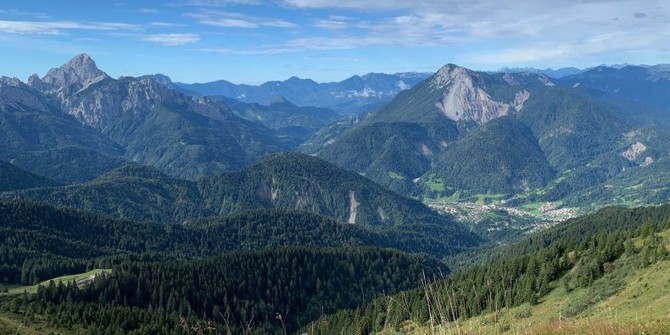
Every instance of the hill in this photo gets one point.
(287, 181)
(133, 192)
(502, 156)
(249, 287)
(14, 178)
(270, 291)
(46, 242)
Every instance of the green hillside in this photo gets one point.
(14, 178)
(286, 181)
(133, 192)
(580, 266)
(502, 156)
(44, 242)
(571, 130)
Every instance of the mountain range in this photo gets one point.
(76, 123)
(522, 137)
(351, 96)
(549, 72)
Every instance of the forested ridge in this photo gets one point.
(42, 242)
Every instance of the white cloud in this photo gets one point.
(331, 24)
(228, 23)
(237, 20)
(522, 31)
(172, 39)
(59, 27)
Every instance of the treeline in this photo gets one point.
(578, 252)
(273, 291)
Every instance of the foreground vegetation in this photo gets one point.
(580, 263)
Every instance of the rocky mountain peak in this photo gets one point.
(160, 78)
(462, 97)
(451, 73)
(10, 81)
(13, 92)
(79, 72)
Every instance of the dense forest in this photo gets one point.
(287, 181)
(267, 291)
(501, 156)
(41, 242)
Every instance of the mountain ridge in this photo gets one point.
(350, 96)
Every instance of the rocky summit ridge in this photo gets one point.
(74, 75)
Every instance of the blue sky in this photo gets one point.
(252, 41)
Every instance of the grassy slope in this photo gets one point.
(11, 323)
(15, 324)
(64, 279)
(641, 305)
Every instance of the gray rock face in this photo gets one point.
(103, 105)
(79, 72)
(16, 94)
(73, 86)
(463, 100)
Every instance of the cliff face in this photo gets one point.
(462, 99)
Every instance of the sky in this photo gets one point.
(253, 41)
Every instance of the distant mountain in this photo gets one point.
(14, 178)
(646, 85)
(287, 119)
(348, 97)
(500, 134)
(143, 121)
(549, 72)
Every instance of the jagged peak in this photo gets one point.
(527, 78)
(449, 73)
(11, 81)
(80, 70)
(158, 77)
